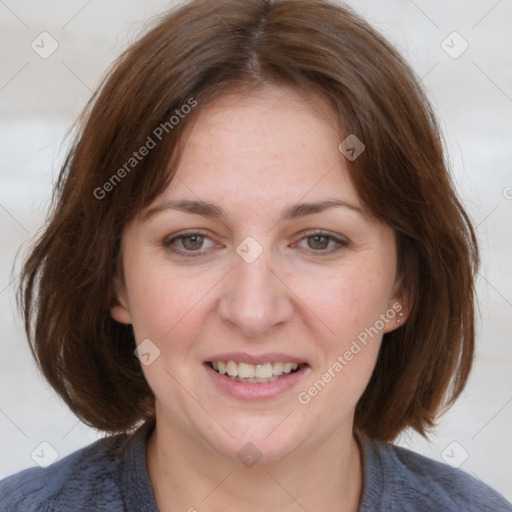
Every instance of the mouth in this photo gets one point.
(261, 373)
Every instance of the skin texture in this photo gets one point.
(255, 155)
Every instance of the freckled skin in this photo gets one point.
(255, 155)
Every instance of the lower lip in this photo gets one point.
(255, 391)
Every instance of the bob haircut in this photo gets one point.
(199, 50)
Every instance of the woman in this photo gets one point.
(256, 275)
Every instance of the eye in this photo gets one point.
(192, 242)
(195, 243)
(322, 242)
(188, 244)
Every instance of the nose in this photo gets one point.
(255, 299)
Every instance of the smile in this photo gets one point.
(263, 373)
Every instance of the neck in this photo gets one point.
(187, 474)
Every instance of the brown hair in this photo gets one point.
(201, 49)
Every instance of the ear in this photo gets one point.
(119, 310)
(399, 307)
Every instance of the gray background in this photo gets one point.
(40, 98)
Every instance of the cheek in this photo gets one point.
(166, 306)
(344, 316)
(347, 302)
(346, 347)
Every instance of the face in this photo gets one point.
(259, 252)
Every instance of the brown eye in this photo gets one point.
(318, 242)
(192, 242)
(322, 243)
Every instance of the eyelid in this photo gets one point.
(322, 232)
(339, 241)
(185, 232)
(167, 242)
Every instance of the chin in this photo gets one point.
(262, 441)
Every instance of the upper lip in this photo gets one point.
(244, 357)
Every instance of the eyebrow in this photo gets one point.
(207, 209)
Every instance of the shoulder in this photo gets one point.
(68, 484)
(413, 482)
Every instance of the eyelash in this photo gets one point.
(168, 243)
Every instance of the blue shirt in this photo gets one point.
(111, 475)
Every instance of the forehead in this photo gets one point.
(276, 145)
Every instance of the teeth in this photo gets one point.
(247, 371)
(232, 369)
(263, 371)
(254, 373)
(288, 367)
(277, 368)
